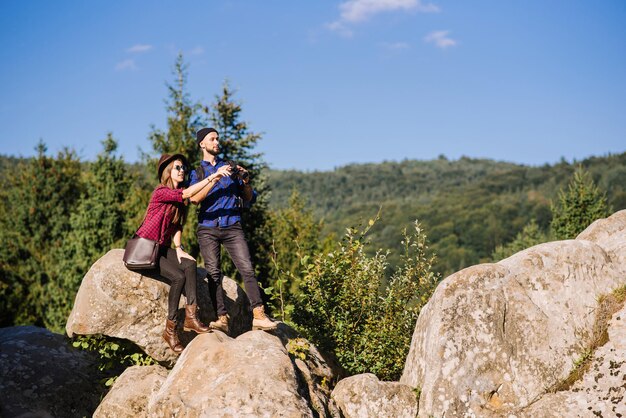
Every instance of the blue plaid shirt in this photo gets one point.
(222, 206)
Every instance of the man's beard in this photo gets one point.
(213, 152)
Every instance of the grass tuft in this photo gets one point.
(608, 304)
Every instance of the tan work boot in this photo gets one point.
(170, 337)
(221, 323)
(262, 321)
(192, 323)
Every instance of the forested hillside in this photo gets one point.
(467, 206)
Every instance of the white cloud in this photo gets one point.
(360, 10)
(340, 28)
(197, 51)
(440, 39)
(139, 48)
(357, 11)
(128, 64)
(395, 46)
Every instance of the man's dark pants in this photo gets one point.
(233, 239)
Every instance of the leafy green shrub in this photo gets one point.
(348, 308)
(115, 354)
(298, 347)
(295, 238)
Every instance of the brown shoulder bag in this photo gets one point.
(141, 253)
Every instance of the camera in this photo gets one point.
(236, 172)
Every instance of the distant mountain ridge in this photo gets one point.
(468, 206)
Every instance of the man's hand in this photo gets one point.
(180, 254)
(244, 175)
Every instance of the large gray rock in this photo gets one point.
(609, 234)
(218, 376)
(494, 337)
(363, 396)
(316, 371)
(120, 303)
(602, 390)
(41, 375)
(131, 392)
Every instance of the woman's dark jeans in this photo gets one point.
(234, 240)
(179, 275)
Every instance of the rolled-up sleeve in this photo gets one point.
(166, 195)
(254, 194)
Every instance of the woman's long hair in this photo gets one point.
(178, 209)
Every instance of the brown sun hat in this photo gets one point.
(168, 158)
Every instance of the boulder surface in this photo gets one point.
(42, 375)
(494, 338)
(216, 375)
(602, 390)
(131, 392)
(364, 395)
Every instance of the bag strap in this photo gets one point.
(144, 220)
(145, 215)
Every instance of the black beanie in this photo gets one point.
(204, 132)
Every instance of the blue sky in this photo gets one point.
(327, 82)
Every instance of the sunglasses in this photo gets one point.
(180, 167)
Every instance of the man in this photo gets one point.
(219, 223)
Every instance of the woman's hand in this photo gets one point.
(180, 254)
(223, 171)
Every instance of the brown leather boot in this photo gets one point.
(260, 320)
(170, 337)
(192, 323)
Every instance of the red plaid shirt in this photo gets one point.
(158, 225)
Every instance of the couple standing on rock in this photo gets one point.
(221, 188)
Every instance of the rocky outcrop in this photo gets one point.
(42, 375)
(364, 395)
(131, 392)
(256, 373)
(495, 337)
(216, 375)
(120, 303)
(602, 390)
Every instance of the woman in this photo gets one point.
(163, 223)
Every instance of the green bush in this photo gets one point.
(115, 354)
(348, 308)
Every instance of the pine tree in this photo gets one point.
(97, 225)
(237, 143)
(578, 207)
(185, 118)
(36, 206)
